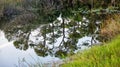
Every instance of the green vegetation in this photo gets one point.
(25, 15)
(107, 55)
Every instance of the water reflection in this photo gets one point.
(11, 57)
(58, 39)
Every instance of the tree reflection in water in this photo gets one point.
(57, 39)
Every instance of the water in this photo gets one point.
(10, 56)
(46, 44)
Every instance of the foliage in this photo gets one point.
(97, 56)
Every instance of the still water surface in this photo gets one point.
(22, 46)
(11, 57)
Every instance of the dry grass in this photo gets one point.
(110, 27)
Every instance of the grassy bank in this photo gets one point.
(107, 55)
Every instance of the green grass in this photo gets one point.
(107, 55)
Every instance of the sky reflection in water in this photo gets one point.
(10, 56)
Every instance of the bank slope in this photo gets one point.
(107, 55)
